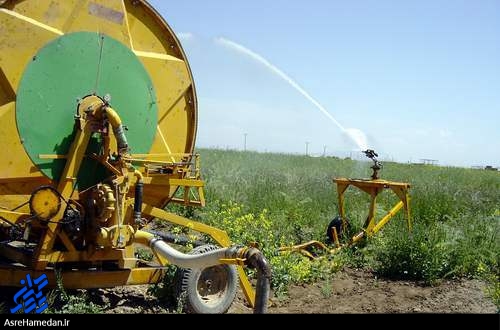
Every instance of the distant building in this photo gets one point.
(427, 162)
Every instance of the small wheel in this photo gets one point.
(338, 225)
(206, 291)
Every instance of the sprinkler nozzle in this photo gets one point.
(377, 166)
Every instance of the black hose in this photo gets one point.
(256, 259)
(139, 189)
(176, 239)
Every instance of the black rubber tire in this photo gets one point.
(337, 223)
(200, 293)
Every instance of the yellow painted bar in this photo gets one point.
(65, 188)
(218, 235)
(408, 212)
(386, 219)
(183, 155)
(370, 223)
(101, 255)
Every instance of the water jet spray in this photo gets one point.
(356, 135)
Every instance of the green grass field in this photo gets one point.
(278, 200)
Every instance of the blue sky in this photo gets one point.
(421, 79)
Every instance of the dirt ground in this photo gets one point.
(349, 291)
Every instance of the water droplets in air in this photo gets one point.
(356, 135)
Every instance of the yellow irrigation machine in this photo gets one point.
(98, 118)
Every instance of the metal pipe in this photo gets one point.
(118, 129)
(209, 259)
(113, 117)
(205, 260)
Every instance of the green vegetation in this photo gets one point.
(278, 200)
(62, 302)
(165, 290)
(144, 254)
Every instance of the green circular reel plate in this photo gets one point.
(65, 71)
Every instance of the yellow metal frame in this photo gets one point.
(149, 37)
(45, 255)
(373, 188)
(33, 24)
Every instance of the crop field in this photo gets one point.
(449, 262)
(278, 200)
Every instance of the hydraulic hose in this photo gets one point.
(118, 129)
(177, 239)
(253, 258)
(139, 190)
(209, 259)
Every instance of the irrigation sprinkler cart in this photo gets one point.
(373, 187)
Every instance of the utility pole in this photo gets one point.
(324, 151)
(245, 142)
(307, 148)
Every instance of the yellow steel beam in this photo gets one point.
(167, 181)
(157, 56)
(370, 221)
(386, 218)
(88, 256)
(404, 196)
(75, 158)
(183, 155)
(65, 189)
(218, 235)
(164, 141)
(31, 21)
